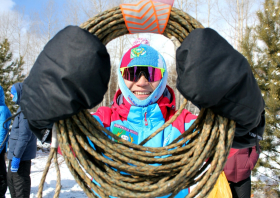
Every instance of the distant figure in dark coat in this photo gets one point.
(238, 169)
(22, 148)
(4, 114)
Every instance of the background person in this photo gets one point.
(4, 114)
(238, 169)
(22, 148)
(144, 101)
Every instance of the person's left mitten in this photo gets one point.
(70, 74)
(15, 164)
(212, 74)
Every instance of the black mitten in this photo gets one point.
(70, 74)
(44, 135)
(212, 74)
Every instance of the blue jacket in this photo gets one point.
(4, 114)
(22, 142)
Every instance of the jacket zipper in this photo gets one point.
(146, 121)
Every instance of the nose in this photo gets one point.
(142, 81)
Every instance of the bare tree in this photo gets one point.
(73, 13)
(76, 12)
(236, 15)
(5, 25)
(93, 7)
(177, 93)
(47, 23)
(210, 5)
(15, 26)
(34, 47)
(184, 5)
(19, 36)
(196, 4)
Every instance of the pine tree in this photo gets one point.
(261, 46)
(10, 72)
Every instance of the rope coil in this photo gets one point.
(210, 140)
(124, 169)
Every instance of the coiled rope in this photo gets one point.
(124, 169)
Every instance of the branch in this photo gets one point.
(224, 16)
(168, 54)
(270, 157)
(268, 176)
(275, 151)
(274, 168)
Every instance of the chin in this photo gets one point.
(142, 97)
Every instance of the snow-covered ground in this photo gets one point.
(69, 189)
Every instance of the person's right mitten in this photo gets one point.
(70, 74)
(212, 74)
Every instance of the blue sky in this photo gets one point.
(6, 5)
(29, 5)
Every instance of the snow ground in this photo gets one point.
(69, 189)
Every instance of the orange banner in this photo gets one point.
(146, 16)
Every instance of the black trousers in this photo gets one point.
(3, 174)
(241, 189)
(20, 183)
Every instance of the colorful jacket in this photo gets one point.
(136, 123)
(4, 114)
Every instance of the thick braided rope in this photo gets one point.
(209, 139)
(110, 25)
(52, 155)
(41, 185)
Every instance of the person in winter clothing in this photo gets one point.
(144, 102)
(22, 148)
(4, 114)
(238, 169)
(211, 74)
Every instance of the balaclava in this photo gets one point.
(148, 56)
(14, 93)
(16, 90)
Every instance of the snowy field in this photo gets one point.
(69, 189)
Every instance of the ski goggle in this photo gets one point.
(134, 73)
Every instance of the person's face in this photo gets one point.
(142, 89)
(12, 96)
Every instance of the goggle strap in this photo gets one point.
(162, 71)
(122, 70)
